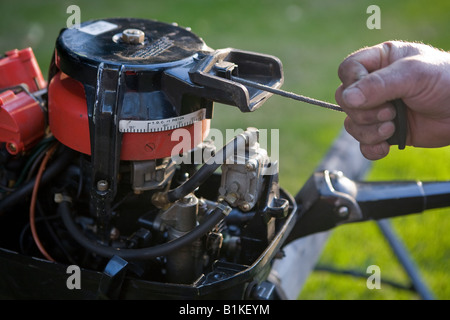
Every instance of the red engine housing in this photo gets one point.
(69, 123)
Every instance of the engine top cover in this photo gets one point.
(133, 43)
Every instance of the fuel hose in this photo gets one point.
(65, 210)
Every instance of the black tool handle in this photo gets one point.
(401, 125)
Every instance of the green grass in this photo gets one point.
(311, 38)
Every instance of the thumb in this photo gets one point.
(386, 84)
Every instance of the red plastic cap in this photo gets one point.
(22, 121)
(20, 67)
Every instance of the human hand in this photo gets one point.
(373, 76)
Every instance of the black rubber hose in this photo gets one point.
(60, 163)
(207, 169)
(197, 179)
(214, 218)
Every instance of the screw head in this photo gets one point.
(11, 147)
(102, 185)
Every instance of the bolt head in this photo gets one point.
(102, 185)
(231, 197)
(343, 212)
(133, 36)
(114, 234)
(188, 199)
(251, 165)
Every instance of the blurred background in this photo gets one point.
(311, 38)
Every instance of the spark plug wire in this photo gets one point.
(39, 174)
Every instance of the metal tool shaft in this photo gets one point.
(401, 120)
(287, 94)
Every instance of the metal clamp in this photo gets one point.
(336, 189)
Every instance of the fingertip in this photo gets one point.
(387, 113)
(338, 95)
(386, 129)
(353, 97)
(347, 123)
(375, 151)
(351, 70)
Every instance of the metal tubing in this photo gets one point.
(403, 257)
